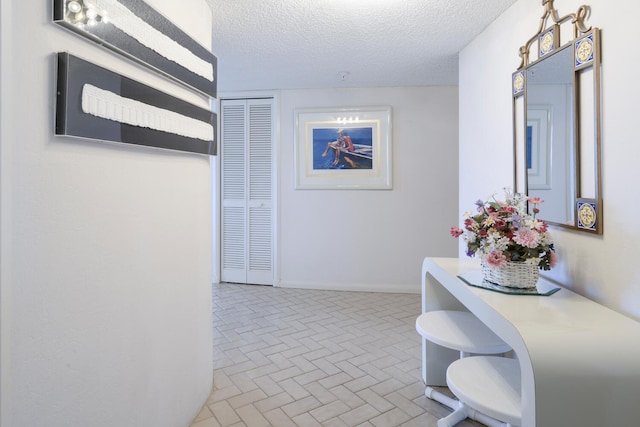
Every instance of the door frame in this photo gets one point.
(216, 176)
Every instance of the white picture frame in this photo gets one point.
(343, 148)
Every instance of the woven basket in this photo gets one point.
(512, 275)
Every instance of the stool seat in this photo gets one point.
(459, 330)
(488, 384)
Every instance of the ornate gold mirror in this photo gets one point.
(556, 120)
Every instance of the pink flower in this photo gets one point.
(490, 219)
(539, 225)
(500, 224)
(526, 238)
(535, 200)
(469, 224)
(553, 259)
(456, 231)
(496, 259)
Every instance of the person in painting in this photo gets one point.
(343, 143)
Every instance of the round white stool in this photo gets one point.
(459, 330)
(462, 331)
(488, 384)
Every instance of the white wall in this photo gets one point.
(603, 268)
(105, 249)
(373, 239)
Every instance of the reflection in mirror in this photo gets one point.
(588, 147)
(556, 119)
(550, 139)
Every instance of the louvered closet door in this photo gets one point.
(247, 191)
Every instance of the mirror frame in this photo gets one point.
(585, 46)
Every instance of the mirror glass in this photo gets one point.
(550, 139)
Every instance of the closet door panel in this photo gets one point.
(260, 201)
(233, 136)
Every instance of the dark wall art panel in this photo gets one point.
(136, 30)
(96, 103)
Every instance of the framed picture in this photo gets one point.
(96, 103)
(138, 31)
(343, 148)
(538, 147)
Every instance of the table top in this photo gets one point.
(548, 320)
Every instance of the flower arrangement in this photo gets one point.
(503, 231)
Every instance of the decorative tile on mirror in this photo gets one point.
(584, 50)
(518, 83)
(587, 214)
(546, 42)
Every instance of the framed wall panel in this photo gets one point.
(96, 103)
(136, 30)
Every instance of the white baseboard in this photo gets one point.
(354, 287)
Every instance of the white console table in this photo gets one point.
(579, 361)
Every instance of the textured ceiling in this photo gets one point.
(293, 44)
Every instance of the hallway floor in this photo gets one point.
(294, 357)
